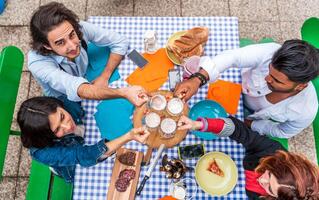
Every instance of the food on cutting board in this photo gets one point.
(127, 173)
(127, 158)
(124, 179)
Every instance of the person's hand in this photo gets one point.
(135, 94)
(101, 81)
(139, 134)
(248, 122)
(186, 89)
(184, 123)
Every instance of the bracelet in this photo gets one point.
(201, 77)
(205, 124)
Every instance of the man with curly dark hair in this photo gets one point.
(59, 58)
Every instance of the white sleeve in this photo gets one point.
(246, 57)
(281, 130)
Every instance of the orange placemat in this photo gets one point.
(154, 74)
(226, 93)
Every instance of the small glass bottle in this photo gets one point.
(150, 42)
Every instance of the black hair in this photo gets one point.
(45, 19)
(33, 120)
(298, 60)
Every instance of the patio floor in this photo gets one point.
(279, 19)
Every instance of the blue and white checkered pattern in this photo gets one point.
(92, 183)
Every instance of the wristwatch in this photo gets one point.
(201, 77)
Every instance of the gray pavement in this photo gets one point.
(279, 19)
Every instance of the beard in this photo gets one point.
(280, 90)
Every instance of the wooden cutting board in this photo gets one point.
(155, 140)
(129, 194)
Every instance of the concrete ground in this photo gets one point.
(279, 19)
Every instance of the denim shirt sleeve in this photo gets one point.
(58, 156)
(104, 37)
(47, 70)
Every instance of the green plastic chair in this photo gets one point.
(247, 41)
(44, 185)
(11, 63)
(310, 33)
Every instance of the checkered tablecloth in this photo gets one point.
(92, 183)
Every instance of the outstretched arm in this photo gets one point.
(136, 94)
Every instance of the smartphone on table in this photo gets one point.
(191, 151)
(137, 58)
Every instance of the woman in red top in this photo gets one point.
(270, 171)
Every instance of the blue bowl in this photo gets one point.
(209, 109)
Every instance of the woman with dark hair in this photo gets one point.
(50, 133)
(270, 171)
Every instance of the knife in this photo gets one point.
(150, 169)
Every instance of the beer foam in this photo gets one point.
(158, 102)
(168, 126)
(152, 120)
(175, 106)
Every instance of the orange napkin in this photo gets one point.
(226, 93)
(154, 74)
(168, 198)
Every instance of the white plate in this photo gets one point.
(211, 183)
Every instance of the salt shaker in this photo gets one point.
(150, 42)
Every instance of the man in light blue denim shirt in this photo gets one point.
(59, 60)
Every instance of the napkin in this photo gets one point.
(226, 94)
(98, 57)
(113, 115)
(154, 74)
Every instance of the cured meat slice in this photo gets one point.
(128, 173)
(121, 184)
(127, 158)
(214, 168)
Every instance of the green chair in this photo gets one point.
(11, 63)
(315, 123)
(310, 33)
(245, 42)
(43, 184)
